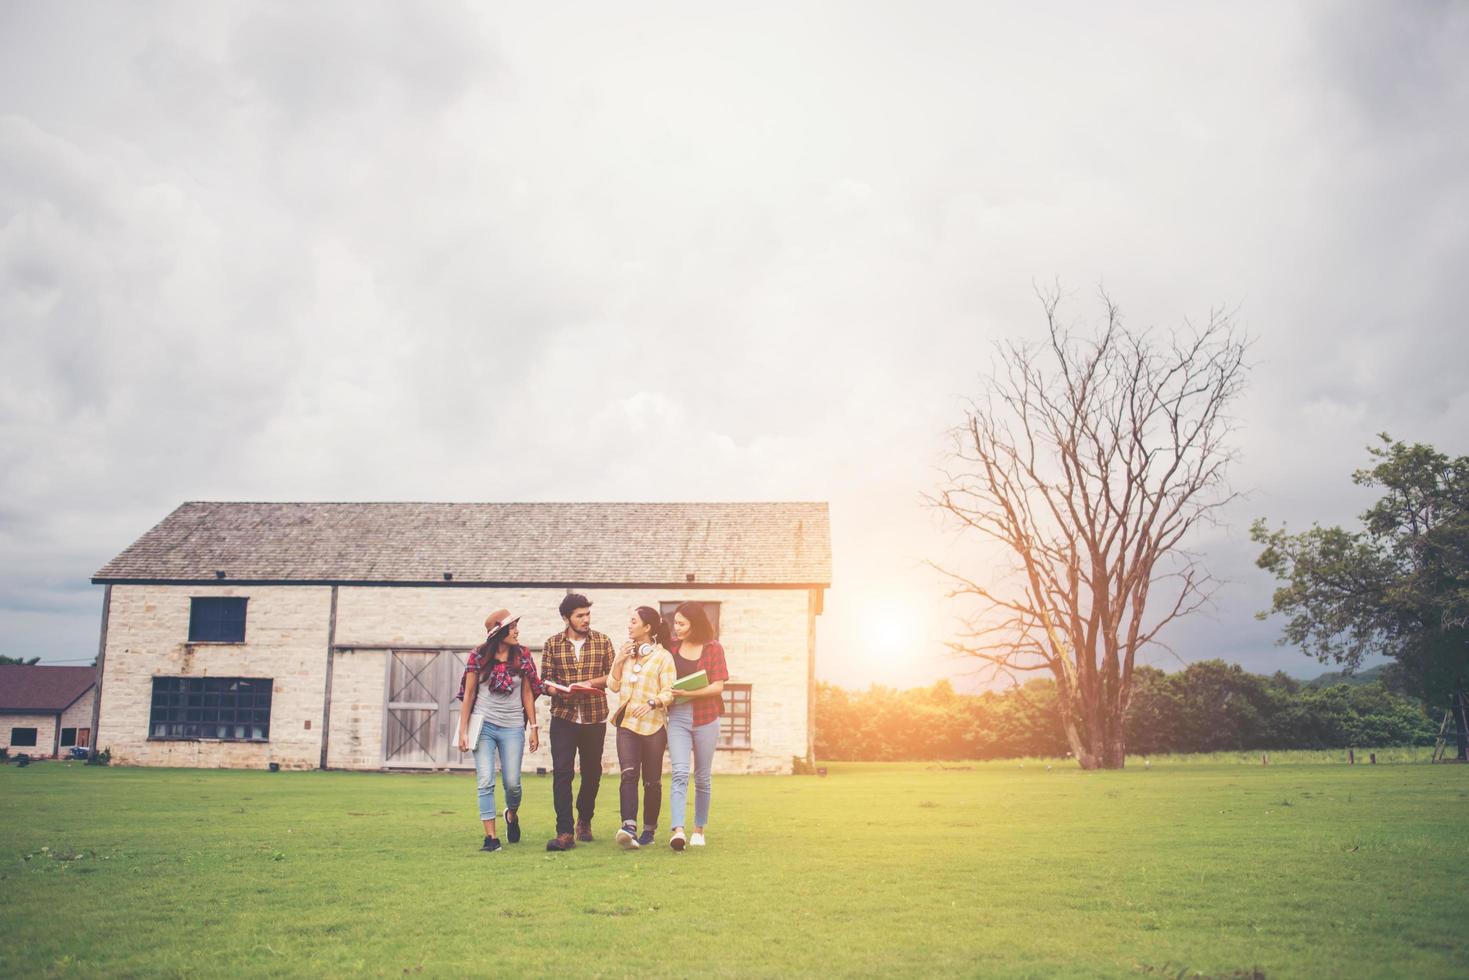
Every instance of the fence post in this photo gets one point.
(1351, 757)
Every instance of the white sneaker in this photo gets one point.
(626, 839)
(697, 840)
(678, 840)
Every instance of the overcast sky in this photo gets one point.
(360, 251)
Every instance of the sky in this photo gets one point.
(439, 251)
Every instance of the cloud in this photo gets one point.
(366, 251)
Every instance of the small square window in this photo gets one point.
(216, 619)
(68, 736)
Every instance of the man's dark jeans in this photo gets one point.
(641, 760)
(568, 739)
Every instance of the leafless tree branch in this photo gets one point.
(1091, 459)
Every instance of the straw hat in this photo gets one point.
(498, 623)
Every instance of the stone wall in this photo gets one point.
(45, 726)
(79, 715)
(764, 631)
(148, 636)
(355, 740)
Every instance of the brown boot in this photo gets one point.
(561, 842)
(583, 831)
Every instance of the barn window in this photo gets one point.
(235, 709)
(734, 724)
(22, 736)
(68, 736)
(711, 609)
(216, 619)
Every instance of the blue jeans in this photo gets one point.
(685, 737)
(510, 743)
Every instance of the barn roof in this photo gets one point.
(500, 544)
(32, 687)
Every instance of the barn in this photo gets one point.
(332, 635)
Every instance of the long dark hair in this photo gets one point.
(661, 632)
(700, 629)
(513, 653)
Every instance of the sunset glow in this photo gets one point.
(884, 626)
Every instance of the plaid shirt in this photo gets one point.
(652, 681)
(711, 661)
(559, 663)
(498, 677)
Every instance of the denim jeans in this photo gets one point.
(685, 737)
(510, 744)
(641, 760)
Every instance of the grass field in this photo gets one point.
(1186, 868)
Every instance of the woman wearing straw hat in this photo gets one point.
(499, 691)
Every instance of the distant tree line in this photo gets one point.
(1207, 707)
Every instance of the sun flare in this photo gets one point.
(884, 626)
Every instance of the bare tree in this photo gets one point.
(1088, 461)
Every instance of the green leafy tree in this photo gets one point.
(1398, 587)
(4, 660)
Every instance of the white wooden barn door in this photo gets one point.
(422, 718)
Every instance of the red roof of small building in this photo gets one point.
(32, 687)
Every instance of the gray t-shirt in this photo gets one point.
(502, 709)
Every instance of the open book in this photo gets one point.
(568, 689)
(692, 682)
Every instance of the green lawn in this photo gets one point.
(1222, 869)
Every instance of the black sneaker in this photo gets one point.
(491, 844)
(646, 839)
(627, 837)
(512, 828)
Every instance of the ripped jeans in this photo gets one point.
(509, 744)
(641, 760)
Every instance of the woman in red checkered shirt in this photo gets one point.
(693, 722)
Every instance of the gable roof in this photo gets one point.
(32, 687)
(493, 544)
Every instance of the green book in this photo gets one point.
(692, 682)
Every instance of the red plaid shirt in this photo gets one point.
(498, 678)
(711, 661)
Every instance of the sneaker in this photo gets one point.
(678, 840)
(491, 844)
(584, 831)
(646, 839)
(512, 828)
(697, 840)
(561, 842)
(626, 838)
